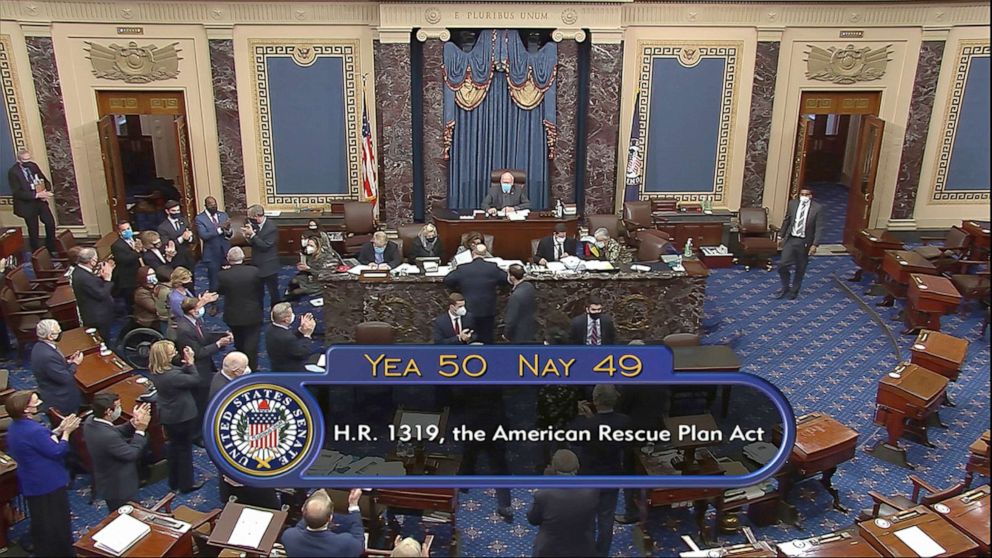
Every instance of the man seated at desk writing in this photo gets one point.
(555, 247)
(506, 197)
(380, 253)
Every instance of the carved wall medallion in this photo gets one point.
(134, 64)
(569, 16)
(432, 16)
(846, 65)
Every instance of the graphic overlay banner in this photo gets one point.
(411, 416)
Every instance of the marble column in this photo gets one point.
(392, 97)
(563, 165)
(232, 165)
(435, 166)
(760, 123)
(41, 53)
(603, 127)
(917, 127)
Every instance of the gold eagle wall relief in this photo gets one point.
(133, 63)
(846, 65)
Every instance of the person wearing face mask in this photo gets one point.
(606, 249)
(520, 323)
(27, 188)
(594, 327)
(115, 449)
(145, 303)
(426, 245)
(479, 281)
(176, 382)
(802, 231)
(317, 255)
(456, 326)
(214, 229)
(156, 255)
(241, 288)
(91, 284)
(181, 283)
(263, 235)
(175, 228)
(54, 372)
(288, 348)
(127, 255)
(555, 247)
(192, 333)
(380, 252)
(40, 454)
(506, 196)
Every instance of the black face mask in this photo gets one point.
(595, 315)
(212, 210)
(177, 360)
(58, 337)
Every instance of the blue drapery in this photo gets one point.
(499, 112)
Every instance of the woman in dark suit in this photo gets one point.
(176, 409)
(426, 245)
(145, 305)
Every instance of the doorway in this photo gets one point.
(836, 155)
(145, 149)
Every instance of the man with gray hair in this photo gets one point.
(29, 188)
(565, 517)
(263, 235)
(604, 248)
(380, 252)
(312, 535)
(288, 350)
(54, 373)
(241, 287)
(234, 366)
(92, 286)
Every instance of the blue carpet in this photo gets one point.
(822, 351)
(833, 196)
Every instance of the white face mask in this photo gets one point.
(805, 198)
(292, 318)
(199, 312)
(152, 280)
(600, 244)
(311, 249)
(115, 415)
(247, 371)
(461, 311)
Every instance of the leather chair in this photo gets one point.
(651, 246)
(359, 224)
(519, 176)
(681, 340)
(375, 333)
(63, 241)
(533, 247)
(487, 239)
(756, 237)
(407, 236)
(610, 222)
(238, 239)
(20, 319)
(890, 505)
(972, 286)
(955, 244)
(17, 279)
(637, 218)
(46, 268)
(103, 245)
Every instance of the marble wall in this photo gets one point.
(563, 165)
(917, 127)
(435, 166)
(603, 127)
(41, 53)
(760, 123)
(232, 166)
(392, 91)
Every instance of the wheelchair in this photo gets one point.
(136, 345)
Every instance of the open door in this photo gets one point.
(803, 137)
(861, 194)
(184, 178)
(113, 169)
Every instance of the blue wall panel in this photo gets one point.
(7, 150)
(969, 166)
(683, 125)
(309, 141)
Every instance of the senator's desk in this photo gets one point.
(868, 249)
(822, 444)
(708, 358)
(969, 512)
(759, 549)
(978, 458)
(705, 229)
(9, 491)
(649, 464)
(939, 352)
(842, 544)
(129, 390)
(228, 520)
(511, 239)
(928, 298)
(422, 499)
(910, 394)
(646, 306)
(881, 533)
(897, 265)
(77, 339)
(62, 305)
(979, 233)
(162, 541)
(98, 372)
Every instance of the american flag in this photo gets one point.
(263, 421)
(635, 157)
(370, 184)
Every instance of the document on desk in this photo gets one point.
(407, 268)
(556, 266)
(463, 257)
(920, 542)
(317, 302)
(442, 270)
(358, 269)
(250, 528)
(120, 534)
(595, 265)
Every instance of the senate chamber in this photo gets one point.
(507, 278)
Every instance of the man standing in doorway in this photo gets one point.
(28, 188)
(801, 234)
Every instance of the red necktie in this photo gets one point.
(594, 334)
(458, 325)
(199, 331)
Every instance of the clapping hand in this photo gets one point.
(189, 356)
(142, 416)
(307, 325)
(354, 496)
(187, 235)
(107, 270)
(67, 426)
(465, 335)
(585, 409)
(226, 340)
(300, 266)
(207, 298)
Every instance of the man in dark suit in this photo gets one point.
(127, 260)
(115, 449)
(288, 349)
(565, 517)
(54, 373)
(176, 228)
(380, 253)
(234, 366)
(602, 457)
(191, 332)
(520, 325)
(801, 233)
(263, 235)
(593, 327)
(482, 408)
(312, 535)
(241, 288)
(27, 187)
(555, 247)
(506, 196)
(478, 281)
(456, 326)
(92, 287)
(214, 229)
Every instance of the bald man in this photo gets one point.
(312, 536)
(506, 196)
(235, 365)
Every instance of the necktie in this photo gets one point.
(800, 228)
(199, 331)
(458, 325)
(213, 217)
(594, 334)
(558, 250)
(175, 223)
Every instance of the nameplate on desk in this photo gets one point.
(374, 275)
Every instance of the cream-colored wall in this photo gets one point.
(79, 89)
(896, 88)
(740, 111)
(929, 213)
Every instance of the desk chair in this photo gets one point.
(21, 318)
(487, 239)
(407, 236)
(955, 245)
(519, 176)
(24, 287)
(651, 245)
(359, 224)
(638, 221)
(681, 340)
(756, 237)
(610, 222)
(238, 239)
(375, 333)
(890, 505)
(45, 267)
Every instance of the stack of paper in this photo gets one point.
(462, 258)
(556, 266)
(442, 270)
(504, 264)
(406, 268)
(595, 265)
(920, 542)
(120, 535)
(317, 302)
(358, 269)
(250, 528)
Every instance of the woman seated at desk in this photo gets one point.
(316, 255)
(606, 249)
(426, 245)
(469, 241)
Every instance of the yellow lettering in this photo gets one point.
(523, 362)
(411, 368)
(567, 364)
(391, 367)
(374, 363)
(550, 368)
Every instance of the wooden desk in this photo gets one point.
(939, 352)
(62, 305)
(881, 533)
(12, 244)
(910, 394)
(703, 422)
(822, 444)
(9, 491)
(129, 389)
(969, 512)
(161, 541)
(897, 265)
(869, 248)
(928, 298)
(661, 497)
(979, 233)
(709, 358)
(704, 229)
(759, 549)
(511, 238)
(978, 458)
(423, 499)
(98, 372)
(229, 519)
(77, 339)
(842, 544)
